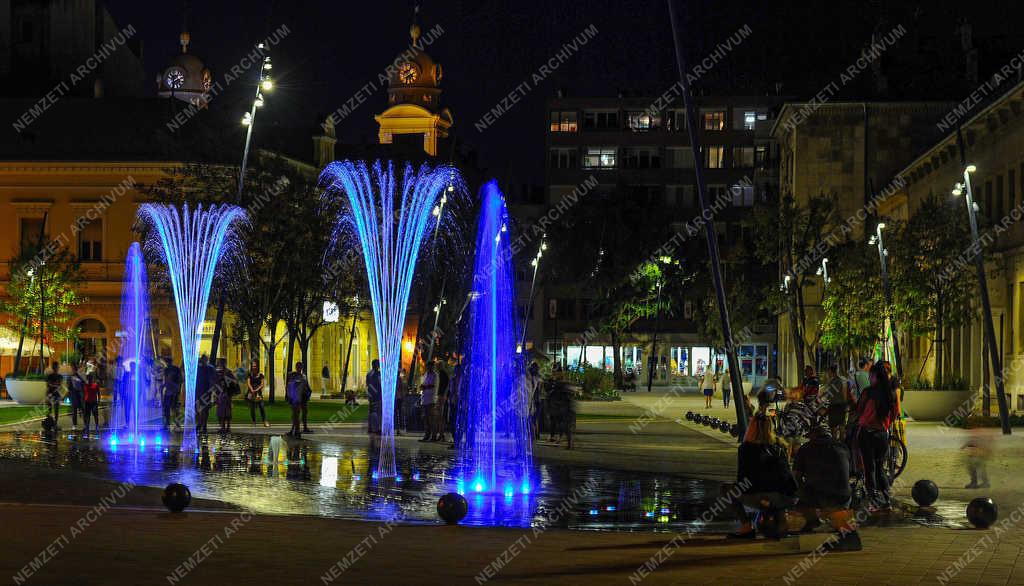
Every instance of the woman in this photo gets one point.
(226, 384)
(90, 402)
(254, 393)
(874, 417)
(764, 480)
(726, 388)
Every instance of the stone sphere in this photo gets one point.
(925, 492)
(689, 415)
(982, 512)
(724, 426)
(452, 507)
(734, 430)
(176, 497)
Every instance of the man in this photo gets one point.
(428, 401)
(297, 394)
(374, 397)
(204, 393)
(325, 382)
(54, 381)
(76, 390)
(171, 394)
(862, 378)
(822, 469)
(811, 384)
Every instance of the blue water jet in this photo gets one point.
(132, 406)
(495, 444)
(192, 242)
(390, 221)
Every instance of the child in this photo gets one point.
(91, 397)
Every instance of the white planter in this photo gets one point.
(27, 392)
(931, 405)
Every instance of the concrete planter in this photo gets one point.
(932, 405)
(26, 392)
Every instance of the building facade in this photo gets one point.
(616, 144)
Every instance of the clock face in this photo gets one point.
(407, 73)
(174, 78)
(207, 80)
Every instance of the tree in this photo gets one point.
(42, 294)
(792, 235)
(936, 291)
(854, 302)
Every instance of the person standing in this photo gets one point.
(811, 385)
(441, 409)
(837, 399)
(533, 386)
(76, 388)
(861, 378)
(204, 393)
(708, 384)
(90, 402)
(254, 393)
(428, 402)
(726, 388)
(325, 382)
(171, 394)
(226, 387)
(54, 382)
(874, 418)
(375, 398)
(297, 394)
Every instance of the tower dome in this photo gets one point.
(185, 77)
(416, 77)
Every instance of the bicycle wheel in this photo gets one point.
(897, 458)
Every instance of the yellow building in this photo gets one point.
(993, 138)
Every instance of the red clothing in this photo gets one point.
(92, 393)
(870, 416)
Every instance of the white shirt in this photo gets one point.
(709, 380)
(428, 386)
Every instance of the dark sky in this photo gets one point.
(491, 46)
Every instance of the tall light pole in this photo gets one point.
(735, 369)
(883, 259)
(823, 273)
(979, 265)
(521, 346)
(263, 84)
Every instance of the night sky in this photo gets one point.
(491, 46)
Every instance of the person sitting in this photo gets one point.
(763, 476)
(822, 469)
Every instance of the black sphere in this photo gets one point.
(452, 507)
(982, 512)
(724, 426)
(176, 497)
(689, 415)
(707, 420)
(734, 430)
(925, 492)
(715, 421)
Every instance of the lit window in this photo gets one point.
(599, 158)
(639, 121)
(563, 121)
(743, 157)
(749, 120)
(90, 242)
(714, 120)
(714, 156)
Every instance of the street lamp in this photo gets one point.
(249, 120)
(535, 263)
(823, 272)
(979, 265)
(654, 361)
(883, 259)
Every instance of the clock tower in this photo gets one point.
(414, 99)
(185, 77)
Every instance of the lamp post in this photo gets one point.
(521, 346)
(654, 360)
(263, 84)
(979, 265)
(883, 259)
(823, 273)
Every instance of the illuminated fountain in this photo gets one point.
(132, 408)
(192, 242)
(390, 217)
(496, 449)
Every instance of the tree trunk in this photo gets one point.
(616, 359)
(798, 338)
(291, 351)
(939, 337)
(271, 362)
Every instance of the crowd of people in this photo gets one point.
(803, 458)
